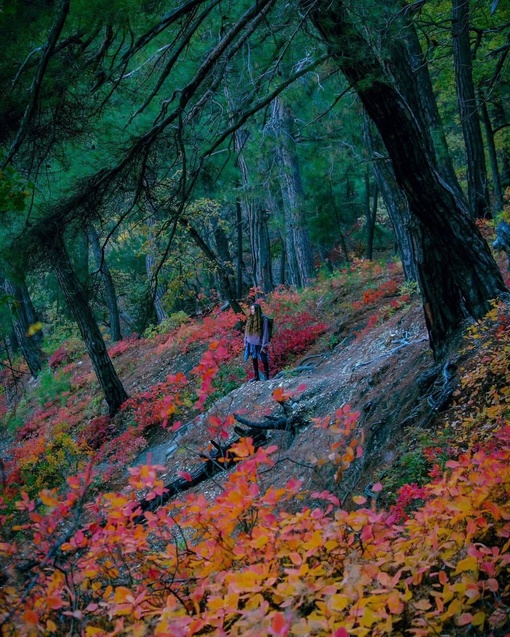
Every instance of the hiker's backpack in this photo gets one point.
(270, 324)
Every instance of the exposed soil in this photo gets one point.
(389, 377)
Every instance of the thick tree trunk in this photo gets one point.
(109, 288)
(112, 388)
(28, 344)
(478, 191)
(300, 266)
(456, 272)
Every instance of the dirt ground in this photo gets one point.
(389, 377)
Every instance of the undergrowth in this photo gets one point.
(435, 560)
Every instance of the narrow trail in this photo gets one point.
(386, 376)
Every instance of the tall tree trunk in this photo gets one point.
(370, 215)
(28, 343)
(151, 266)
(109, 288)
(113, 390)
(457, 274)
(30, 312)
(394, 199)
(493, 156)
(239, 250)
(478, 191)
(300, 266)
(257, 222)
(427, 104)
(223, 250)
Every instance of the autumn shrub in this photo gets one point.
(97, 432)
(244, 565)
(51, 461)
(59, 357)
(174, 321)
(160, 404)
(122, 346)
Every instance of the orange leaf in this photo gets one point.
(31, 617)
(279, 625)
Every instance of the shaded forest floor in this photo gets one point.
(370, 355)
(373, 422)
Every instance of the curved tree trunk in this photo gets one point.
(109, 288)
(112, 388)
(478, 191)
(457, 274)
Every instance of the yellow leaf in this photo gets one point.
(478, 619)
(48, 499)
(469, 563)
(338, 602)
(369, 617)
(34, 328)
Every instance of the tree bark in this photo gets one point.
(28, 344)
(370, 216)
(394, 199)
(257, 222)
(493, 156)
(300, 266)
(457, 274)
(224, 279)
(428, 106)
(109, 288)
(155, 288)
(478, 191)
(113, 390)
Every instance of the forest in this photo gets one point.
(166, 164)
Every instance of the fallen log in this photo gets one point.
(220, 458)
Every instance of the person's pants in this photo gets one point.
(265, 362)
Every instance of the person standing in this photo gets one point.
(256, 340)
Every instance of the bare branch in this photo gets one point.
(35, 89)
